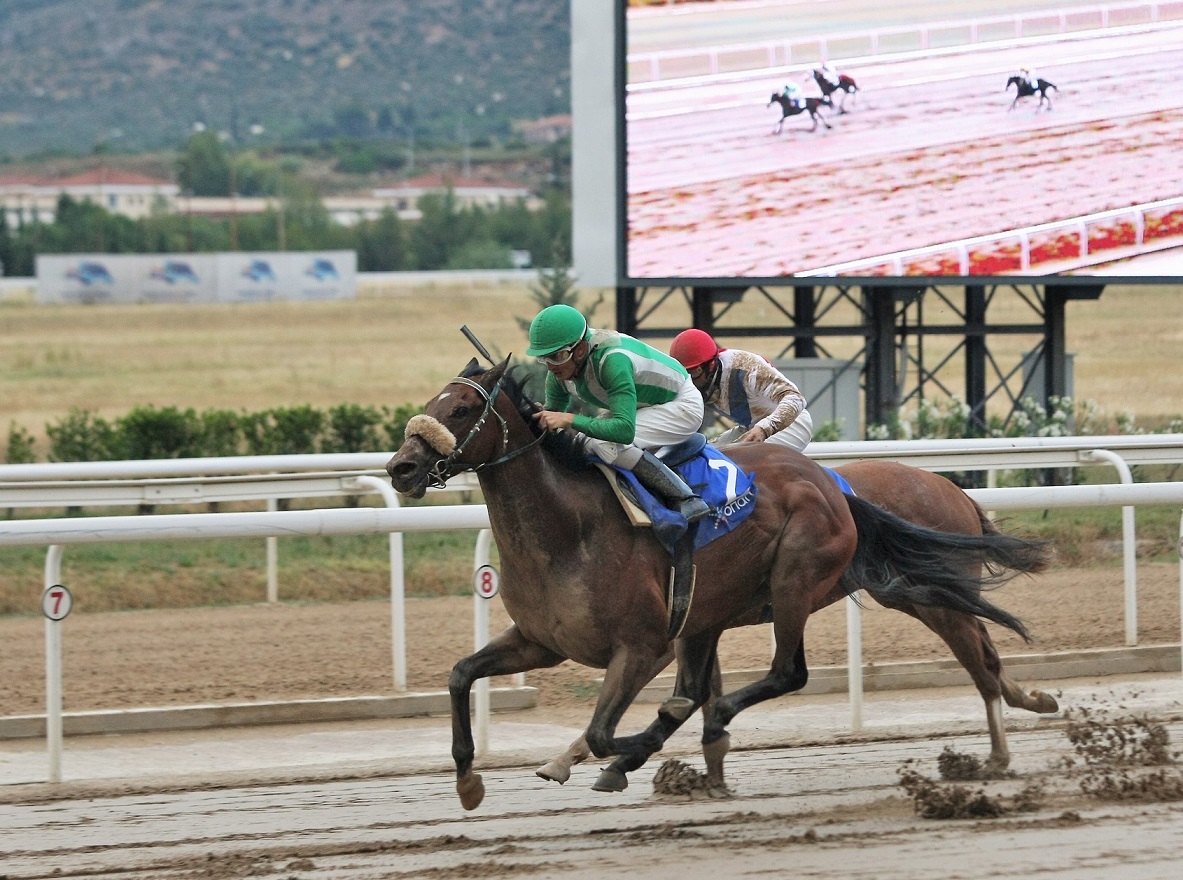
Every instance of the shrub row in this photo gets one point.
(169, 432)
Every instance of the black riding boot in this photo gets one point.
(669, 487)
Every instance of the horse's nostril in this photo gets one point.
(397, 468)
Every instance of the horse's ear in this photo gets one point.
(495, 373)
(471, 368)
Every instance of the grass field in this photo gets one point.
(396, 346)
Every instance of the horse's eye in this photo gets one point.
(460, 411)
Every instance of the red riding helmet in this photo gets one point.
(693, 348)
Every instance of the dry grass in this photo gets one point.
(397, 345)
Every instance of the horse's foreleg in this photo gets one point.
(508, 653)
(692, 688)
(558, 768)
(629, 670)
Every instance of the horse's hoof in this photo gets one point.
(677, 708)
(996, 769)
(554, 772)
(611, 780)
(720, 792)
(471, 790)
(1045, 704)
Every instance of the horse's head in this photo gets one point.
(1013, 81)
(775, 97)
(460, 429)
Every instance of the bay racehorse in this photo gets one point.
(846, 85)
(789, 107)
(930, 500)
(581, 583)
(1024, 89)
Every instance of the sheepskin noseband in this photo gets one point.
(433, 433)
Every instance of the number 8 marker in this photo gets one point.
(486, 582)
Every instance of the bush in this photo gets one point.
(83, 436)
(149, 433)
(352, 428)
(20, 446)
(221, 433)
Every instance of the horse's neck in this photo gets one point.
(527, 494)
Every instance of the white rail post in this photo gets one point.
(53, 671)
(398, 600)
(480, 638)
(272, 558)
(1129, 544)
(854, 661)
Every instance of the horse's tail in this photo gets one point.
(896, 559)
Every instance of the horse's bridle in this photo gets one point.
(445, 467)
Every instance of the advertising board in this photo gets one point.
(223, 277)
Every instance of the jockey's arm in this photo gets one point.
(618, 424)
(765, 382)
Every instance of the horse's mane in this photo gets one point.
(564, 445)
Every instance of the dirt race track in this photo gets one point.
(928, 153)
(823, 811)
(826, 808)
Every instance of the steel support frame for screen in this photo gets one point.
(893, 330)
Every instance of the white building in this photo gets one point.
(29, 197)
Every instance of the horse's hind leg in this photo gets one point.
(970, 642)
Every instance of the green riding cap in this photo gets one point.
(555, 327)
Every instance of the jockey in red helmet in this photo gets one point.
(745, 388)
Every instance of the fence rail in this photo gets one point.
(1045, 248)
(393, 520)
(647, 68)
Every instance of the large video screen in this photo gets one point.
(983, 139)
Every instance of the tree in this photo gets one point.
(382, 244)
(203, 168)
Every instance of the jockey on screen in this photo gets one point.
(792, 94)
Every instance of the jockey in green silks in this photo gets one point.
(646, 397)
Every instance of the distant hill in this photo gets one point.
(136, 75)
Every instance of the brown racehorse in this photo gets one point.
(930, 500)
(581, 583)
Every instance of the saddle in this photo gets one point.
(692, 458)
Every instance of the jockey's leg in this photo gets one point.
(653, 474)
(797, 435)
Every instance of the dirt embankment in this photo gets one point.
(304, 651)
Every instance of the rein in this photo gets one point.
(446, 467)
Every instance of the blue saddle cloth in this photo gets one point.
(842, 482)
(730, 493)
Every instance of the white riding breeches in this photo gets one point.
(796, 436)
(663, 424)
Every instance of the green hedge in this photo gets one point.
(169, 432)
